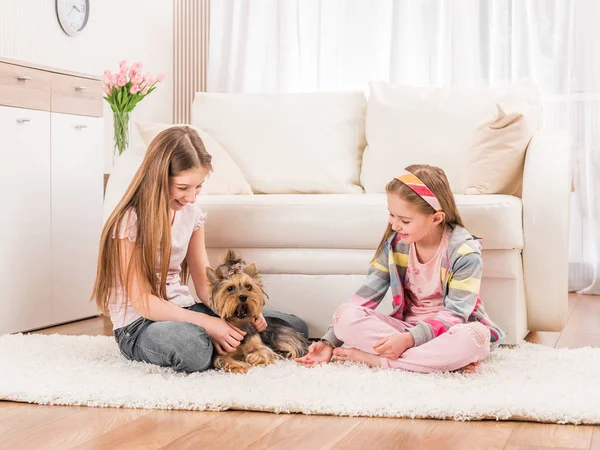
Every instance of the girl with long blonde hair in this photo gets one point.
(150, 244)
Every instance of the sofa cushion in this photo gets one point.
(226, 177)
(342, 221)
(494, 162)
(123, 171)
(409, 125)
(289, 143)
(340, 261)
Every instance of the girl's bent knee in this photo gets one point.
(345, 318)
(476, 330)
(195, 360)
(197, 364)
(348, 311)
(481, 333)
(479, 336)
(195, 350)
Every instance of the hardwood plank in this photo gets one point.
(236, 430)
(25, 418)
(529, 447)
(393, 434)
(547, 338)
(551, 435)
(75, 429)
(95, 326)
(310, 432)
(576, 340)
(484, 435)
(573, 301)
(582, 328)
(153, 430)
(588, 303)
(595, 439)
(582, 321)
(6, 405)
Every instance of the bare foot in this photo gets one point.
(354, 354)
(469, 368)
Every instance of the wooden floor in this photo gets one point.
(24, 426)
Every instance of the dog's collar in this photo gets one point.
(236, 268)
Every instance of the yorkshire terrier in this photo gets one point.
(238, 297)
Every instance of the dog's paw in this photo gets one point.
(231, 365)
(263, 357)
(239, 368)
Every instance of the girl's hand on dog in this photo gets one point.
(224, 336)
(318, 353)
(260, 323)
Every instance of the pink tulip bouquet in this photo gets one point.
(123, 91)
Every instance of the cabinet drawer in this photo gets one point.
(74, 95)
(23, 87)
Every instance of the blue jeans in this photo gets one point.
(183, 346)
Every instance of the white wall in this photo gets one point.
(136, 30)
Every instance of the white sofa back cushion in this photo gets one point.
(226, 178)
(121, 175)
(289, 143)
(421, 125)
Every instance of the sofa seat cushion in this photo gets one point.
(342, 221)
(340, 261)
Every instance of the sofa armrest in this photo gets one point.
(546, 217)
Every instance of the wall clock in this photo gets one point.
(73, 15)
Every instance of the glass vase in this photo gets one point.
(121, 128)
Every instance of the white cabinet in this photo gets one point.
(77, 185)
(25, 295)
(51, 183)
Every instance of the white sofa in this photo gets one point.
(318, 209)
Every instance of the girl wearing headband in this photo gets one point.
(433, 266)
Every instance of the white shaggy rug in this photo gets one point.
(527, 382)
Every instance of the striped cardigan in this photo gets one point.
(461, 272)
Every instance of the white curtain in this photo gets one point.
(336, 45)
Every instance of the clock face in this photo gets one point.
(73, 15)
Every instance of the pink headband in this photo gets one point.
(413, 182)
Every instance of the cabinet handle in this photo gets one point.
(81, 88)
(23, 120)
(23, 78)
(80, 126)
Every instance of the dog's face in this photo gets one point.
(237, 291)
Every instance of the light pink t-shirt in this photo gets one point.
(423, 283)
(189, 219)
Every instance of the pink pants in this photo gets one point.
(463, 344)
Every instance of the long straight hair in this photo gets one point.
(171, 152)
(435, 179)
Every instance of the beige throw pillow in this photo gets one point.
(430, 125)
(495, 159)
(226, 178)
